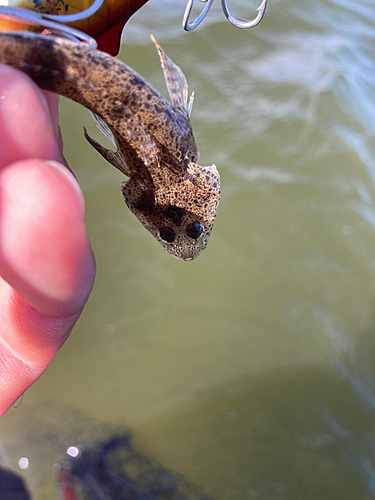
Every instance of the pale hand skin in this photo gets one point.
(47, 267)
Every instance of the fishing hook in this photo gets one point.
(78, 16)
(38, 20)
(244, 24)
(189, 26)
(185, 21)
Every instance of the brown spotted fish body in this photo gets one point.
(173, 197)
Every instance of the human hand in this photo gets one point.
(47, 267)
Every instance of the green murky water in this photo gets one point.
(250, 370)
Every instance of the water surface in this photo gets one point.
(250, 370)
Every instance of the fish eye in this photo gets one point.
(167, 234)
(194, 230)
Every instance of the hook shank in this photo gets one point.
(185, 21)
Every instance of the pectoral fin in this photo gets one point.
(103, 127)
(110, 156)
(176, 82)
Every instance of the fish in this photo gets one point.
(174, 198)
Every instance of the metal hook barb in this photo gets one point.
(237, 22)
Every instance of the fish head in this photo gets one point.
(178, 210)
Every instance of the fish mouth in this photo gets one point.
(182, 252)
(186, 259)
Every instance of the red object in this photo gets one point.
(66, 489)
(111, 40)
(107, 29)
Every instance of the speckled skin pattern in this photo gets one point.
(173, 197)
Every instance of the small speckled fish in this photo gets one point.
(173, 197)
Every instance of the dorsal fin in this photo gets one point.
(176, 82)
